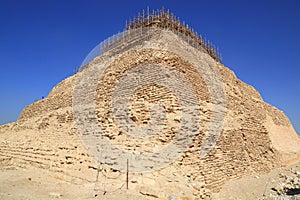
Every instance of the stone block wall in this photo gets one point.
(59, 97)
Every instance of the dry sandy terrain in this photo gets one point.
(35, 183)
(264, 186)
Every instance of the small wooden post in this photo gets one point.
(148, 12)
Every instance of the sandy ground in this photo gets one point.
(32, 183)
(263, 186)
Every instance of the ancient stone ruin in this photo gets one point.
(154, 112)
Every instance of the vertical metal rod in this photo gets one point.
(95, 186)
(127, 175)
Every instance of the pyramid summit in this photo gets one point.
(152, 113)
(157, 19)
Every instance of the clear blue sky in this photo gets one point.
(42, 42)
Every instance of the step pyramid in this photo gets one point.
(154, 102)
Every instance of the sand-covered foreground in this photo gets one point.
(31, 183)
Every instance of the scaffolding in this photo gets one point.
(144, 27)
(167, 20)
